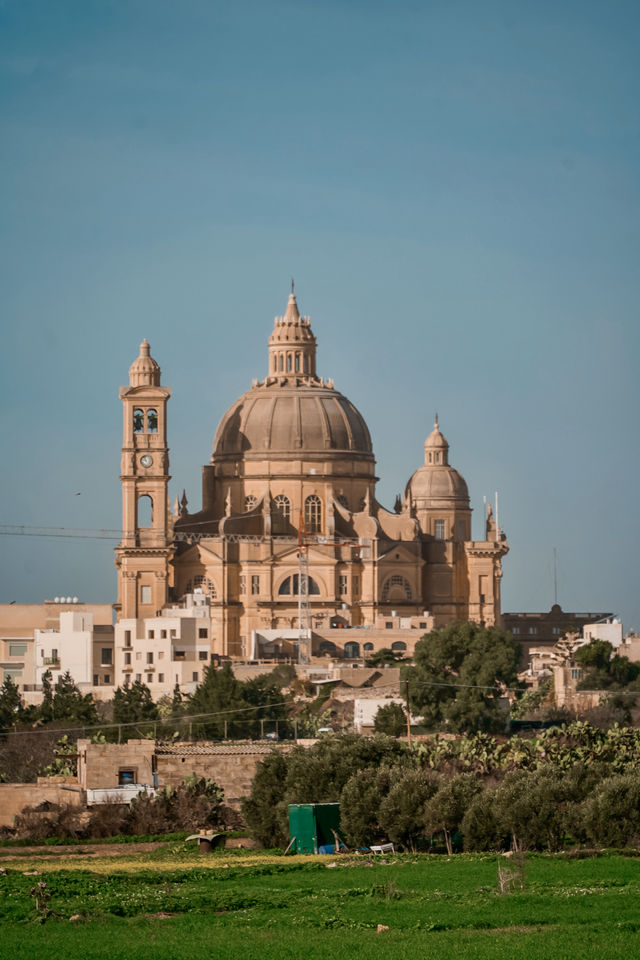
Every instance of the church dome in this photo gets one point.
(293, 419)
(293, 412)
(436, 480)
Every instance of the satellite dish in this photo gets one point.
(56, 599)
(75, 600)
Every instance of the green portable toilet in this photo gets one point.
(312, 825)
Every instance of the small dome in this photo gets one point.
(436, 480)
(437, 483)
(288, 419)
(144, 371)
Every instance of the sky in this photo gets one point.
(452, 184)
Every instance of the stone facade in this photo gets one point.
(293, 463)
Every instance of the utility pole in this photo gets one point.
(406, 694)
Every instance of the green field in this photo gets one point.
(173, 904)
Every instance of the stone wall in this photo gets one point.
(231, 764)
(14, 797)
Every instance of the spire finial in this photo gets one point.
(436, 422)
(293, 286)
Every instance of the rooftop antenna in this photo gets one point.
(497, 517)
(555, 575)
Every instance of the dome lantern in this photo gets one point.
(292, 345)
(144, 371)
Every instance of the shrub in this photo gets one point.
(611, 815)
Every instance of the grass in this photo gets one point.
(172, 903)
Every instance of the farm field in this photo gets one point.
(172, 903)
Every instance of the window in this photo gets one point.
(201, 583)
(439, 529)
(243, 583)
(367, 647)
(351, 650)
(96, 679)
(288, 363)
(203, 633)
(396, 587)
(145, 594)
(313, 514)
(106, 656)
(145, 511)
(152, 421)
(138, 678)
(533, 631)
(285, 589)
(54, 655)
(149, 658)
(556, 631)
(202, 654)
(127, 659)
(398, 646)
(281, 514)
(173, 633)
(17, 649)
(127, 638)
(355, 581)
(151, 634)
(515, 630)
(250, 503)
(255, 584)
(436, 458)
(161, 678)
(422, 625)
(576, 673)
(138, 421)
(194, 676)
(163, 634)
(149, 678)
(107, 678)
(342, 584)
(388, 626)
(297, 363)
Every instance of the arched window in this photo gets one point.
(398, 646)
(289, 364)
(281, 513)
(396, 588)
(250, 503)
(436, 458)
(351, 650)
(367, 647)
(313, 514)
(152, 421)
(201, 583)
(145, 511)
(305, 363)
(138, 421)
(327, 648)
(281, 363)
(290, 587)
(297, 363)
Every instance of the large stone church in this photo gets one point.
(290, 535)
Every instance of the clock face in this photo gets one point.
(146, 460)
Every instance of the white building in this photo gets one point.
(79, 646)
(161, 651)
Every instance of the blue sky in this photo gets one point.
(454, 186)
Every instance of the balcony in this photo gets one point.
(51, 661)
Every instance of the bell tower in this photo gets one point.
(143, 555)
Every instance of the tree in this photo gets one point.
(402, 811)
(460, 674)
(612, 814)
(265, 810)
(447, 807)
(10, 703)
(65, 701)
(390, 719)
(239, 707)
(360, 802)
(132, 703)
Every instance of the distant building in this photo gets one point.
(19, 623)
(545, 629)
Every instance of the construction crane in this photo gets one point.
(304, 619)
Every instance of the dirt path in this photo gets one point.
(79, 850)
